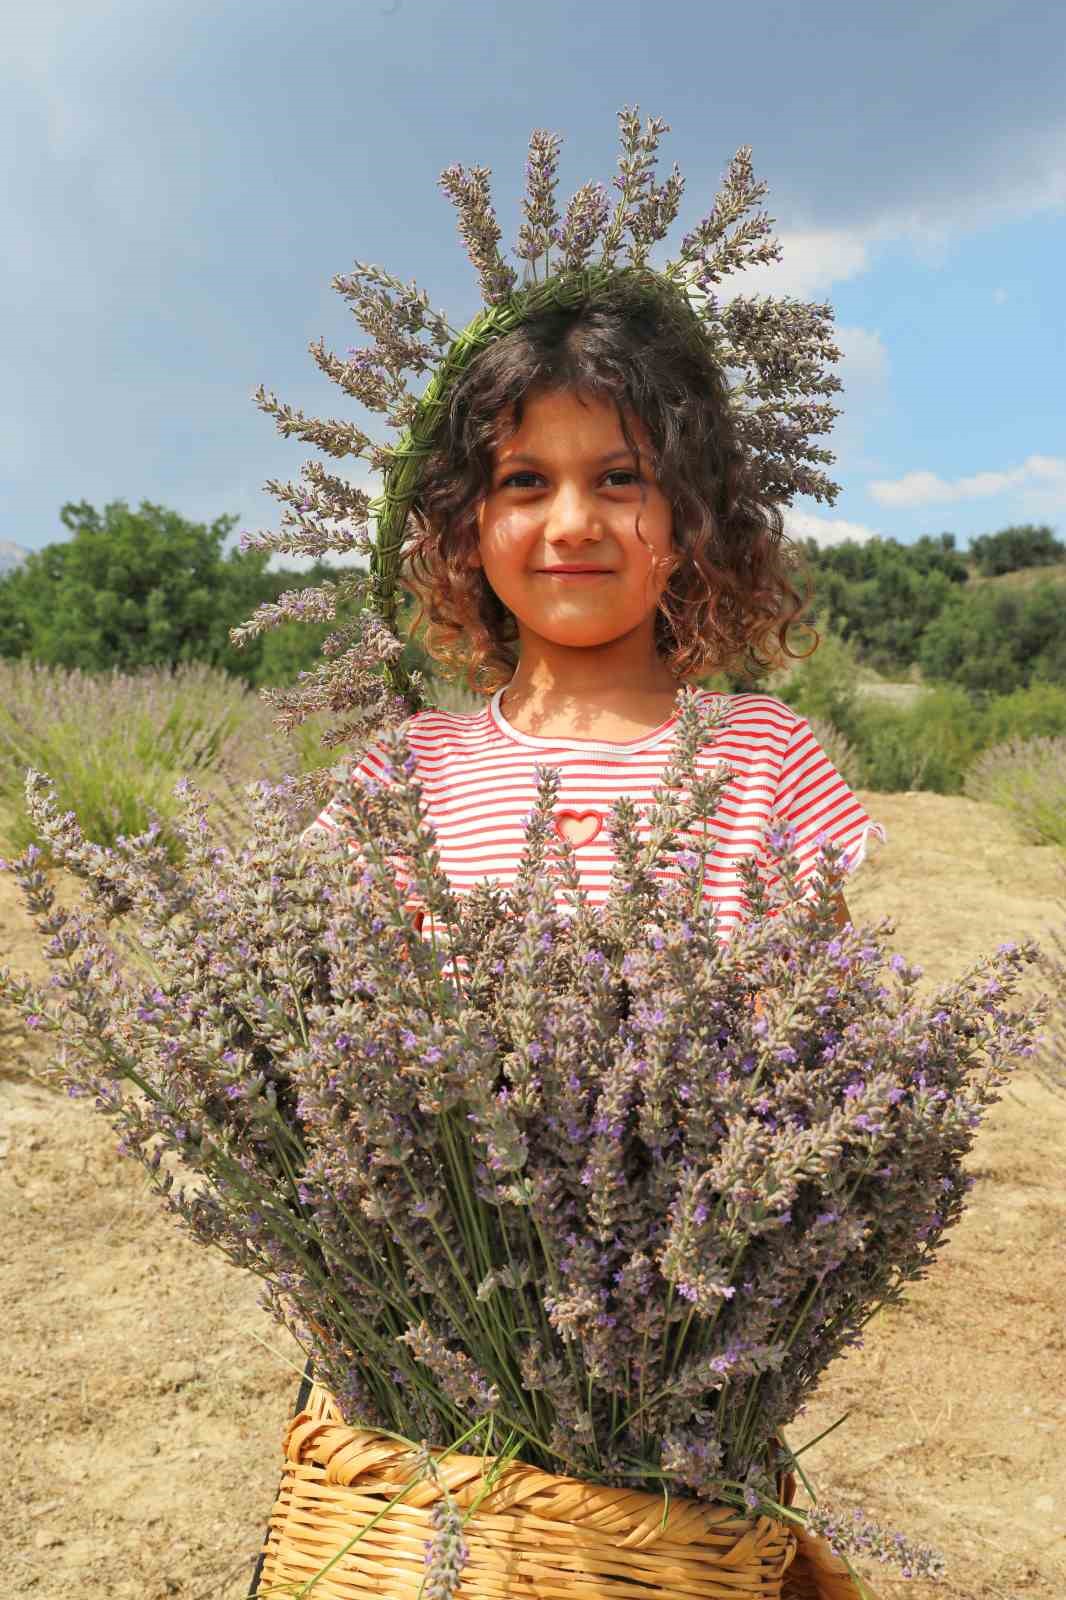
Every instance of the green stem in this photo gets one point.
(462, 1279)
(472, 1220)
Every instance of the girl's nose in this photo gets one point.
(571, 515)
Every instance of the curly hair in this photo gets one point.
(729, 596)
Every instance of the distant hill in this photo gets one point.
(11, 556)
(1024, 577)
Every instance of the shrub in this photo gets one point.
(116, 743)
(1027, 777)
(928, 745)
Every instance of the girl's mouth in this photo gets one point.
(562, 573)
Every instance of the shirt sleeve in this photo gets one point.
(812, 796)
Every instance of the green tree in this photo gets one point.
(131, 589)
(996, 640)
(134, 589)
(882, 595)
(1013, 548)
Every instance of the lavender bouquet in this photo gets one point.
(548, 1173)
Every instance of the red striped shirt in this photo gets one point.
(478, 784)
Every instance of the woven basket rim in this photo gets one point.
(532, 1535)
(353, 1456)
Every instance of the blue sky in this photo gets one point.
(183, 180)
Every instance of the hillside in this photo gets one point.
(1025, 577)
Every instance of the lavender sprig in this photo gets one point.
(447, 1552)
(585, 220)
(636, 167)
(539, 230)
(858, 1536)
(478, 229)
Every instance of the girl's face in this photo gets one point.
(566, 491)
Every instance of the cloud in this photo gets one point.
(864, 357)
(12, 555)
(1041, 478)
(826, 530)
(812, 259)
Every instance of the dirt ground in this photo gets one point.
(144, 1391)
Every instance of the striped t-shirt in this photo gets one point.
(478, 782)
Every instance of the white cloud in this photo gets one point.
(826, 530)
(12, 555)
(1042, 480)
(1021, 179)
(812, 259)
(864, 358)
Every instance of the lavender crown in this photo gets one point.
(780, 347)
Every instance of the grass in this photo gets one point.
(115, 744)
(1027, 777)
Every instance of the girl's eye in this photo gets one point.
(618, 472)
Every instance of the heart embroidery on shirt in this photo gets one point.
(580, 827)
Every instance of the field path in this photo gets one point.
(143, 1390)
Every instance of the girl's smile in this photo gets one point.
(575, 572)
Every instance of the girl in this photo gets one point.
(588, 535)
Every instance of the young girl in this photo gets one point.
(588, 536)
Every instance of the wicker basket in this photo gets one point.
(533, 1537)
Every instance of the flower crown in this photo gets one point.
(779, 346)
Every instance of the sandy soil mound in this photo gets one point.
(144, 1390)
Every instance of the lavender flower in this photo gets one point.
(455, 1372)
(585, 220)
(478, 228)
(636, 166)
(447, 1552)
(538, 232)
(859, 1536)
